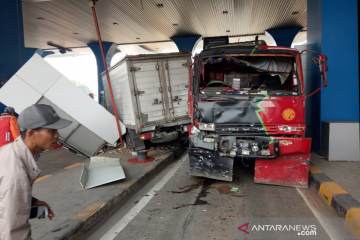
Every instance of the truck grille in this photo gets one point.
(244, 129)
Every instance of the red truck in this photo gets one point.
(247, 101)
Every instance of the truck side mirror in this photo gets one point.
(321, 62)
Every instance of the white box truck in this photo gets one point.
(151, 96)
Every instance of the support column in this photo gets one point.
(311, 75)
(29, 52)
(110, 49)
(333, 30)
(283, 37)
(186, 44)
(12, 48)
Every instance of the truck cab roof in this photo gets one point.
(246, 49)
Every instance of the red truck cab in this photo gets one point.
(247, 100)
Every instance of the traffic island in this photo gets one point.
(336, 198)
(78, 210)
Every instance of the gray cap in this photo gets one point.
(9, 110)
(41, 116)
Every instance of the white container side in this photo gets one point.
(39, 74)
(18, 94)
(119, 78)
(84, 109)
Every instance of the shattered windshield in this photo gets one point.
(267, 75)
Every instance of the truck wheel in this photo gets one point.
(171, 136)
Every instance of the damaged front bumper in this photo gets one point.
(278, 160)
(210, 165)
(230, 146)
(212, 157)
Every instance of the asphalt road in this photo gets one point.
(57, 159)
(178, 206)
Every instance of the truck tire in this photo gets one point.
(171, 136)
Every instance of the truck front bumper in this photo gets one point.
(286, 165)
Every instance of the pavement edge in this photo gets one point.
(106, 205)
(335, 197)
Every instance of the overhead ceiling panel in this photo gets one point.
(69, 23)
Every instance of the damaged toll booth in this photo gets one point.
(37, 82)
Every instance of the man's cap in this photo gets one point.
(41, 116)
(9, 110)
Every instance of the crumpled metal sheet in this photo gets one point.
(229, 112)
(210, 165)
(101, 170)
(290, 170)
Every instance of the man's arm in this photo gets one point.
(15, 213)
(14, 127)
(35, 202)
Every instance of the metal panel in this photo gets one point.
(101, 170)
(177, 91)
(65, 131)
(85, 141)
(150, 91)
(290, 170)
(119, 77)
(18, 94)
(39, 80)
(84, 109)
(343, 141)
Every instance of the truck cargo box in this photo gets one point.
(150, 90)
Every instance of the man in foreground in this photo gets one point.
(9, 129)
(18, 170)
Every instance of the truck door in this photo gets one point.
(176, 75)
(148, 89)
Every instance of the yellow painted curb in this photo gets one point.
(314, 169)
(72, 166)
(328, 189)
(42, 178)
(353, 220)
(89, 211)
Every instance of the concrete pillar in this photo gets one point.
(186, 44)
(283, 37)
(333, 30)
(12, 53)
(110, 49)
(29, 52)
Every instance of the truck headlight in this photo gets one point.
(233, 151)
(255, 148)
(195, 131)
(207, 126)
(245, 152)
(291, 129)
(265, 152)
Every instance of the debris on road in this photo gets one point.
(101, 170)
(234, 189)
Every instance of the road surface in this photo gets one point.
(175, 205)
